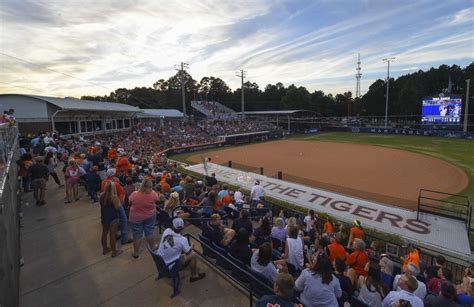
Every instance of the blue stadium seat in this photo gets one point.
(260, 284)
(206, 249)
(165, 271)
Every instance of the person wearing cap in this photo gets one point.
(122, 163)
(357, 261)
(257, 193)
(121, 195)
(173, 246)
(143, 214)
(217, 232)
(408, 285)
(412, 256)
(356, 233)
(412, 270)
(39, 173)
(434, 285)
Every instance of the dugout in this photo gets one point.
(292, 120)
(69, 116)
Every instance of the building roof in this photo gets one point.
(160, 113)
(283, 112)
(87, 105)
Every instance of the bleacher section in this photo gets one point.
(214, 110)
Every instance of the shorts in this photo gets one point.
(146, 226)
(39, 183)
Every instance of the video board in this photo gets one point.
(442, 109)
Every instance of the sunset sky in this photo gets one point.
(75, 48)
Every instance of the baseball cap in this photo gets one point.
(178, 223)
(356, 223)
(110, 172)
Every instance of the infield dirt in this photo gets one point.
(386, 175)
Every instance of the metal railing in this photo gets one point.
(448, 205)
(9, 218)
(246, 280)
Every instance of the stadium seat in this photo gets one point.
(260, 284)
(355, 302)
(237, 267)
(207, 247)
(278, 244)
(221, 256)
(163, 218)
(165, 271)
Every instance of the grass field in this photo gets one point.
(458, 152)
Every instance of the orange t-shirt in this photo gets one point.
(413, 257)
(118, 187)
(112, 154)
(328, 228)
(356, 233)
(337, 251)
(165, 187)
(357, 260)
(123, 164)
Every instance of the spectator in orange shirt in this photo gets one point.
(335, 249)
(123, 163)
(356, 233)
(328, 226)
(112, 154)
(111, 178)
(413, 256)
(357, 261)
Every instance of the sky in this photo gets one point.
(92, 47)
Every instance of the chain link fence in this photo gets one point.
(9, 218)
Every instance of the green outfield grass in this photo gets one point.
(456, 151)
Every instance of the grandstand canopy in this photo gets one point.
(67, 115)
(166, 113)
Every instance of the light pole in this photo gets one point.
(242, 74)
(387, 60)
(466, 109)
(181, 69)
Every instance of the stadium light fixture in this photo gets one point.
(387, 60)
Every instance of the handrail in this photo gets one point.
(235, 266)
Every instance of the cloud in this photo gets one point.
(128, 43)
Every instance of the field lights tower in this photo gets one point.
(387, 60)
(358, 76)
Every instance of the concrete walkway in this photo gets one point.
(64, 265)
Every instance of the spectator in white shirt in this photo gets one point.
(173, 244)
(257, 193)
(412, 270)
(408, 285)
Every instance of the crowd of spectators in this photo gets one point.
(214, 110)
(235, 127)
(320, 264)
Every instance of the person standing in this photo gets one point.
(51, 162)
(109, 203)
(257, 193)
(39, 175)
(143, 215)
(73, 173)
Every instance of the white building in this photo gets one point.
(67, 115)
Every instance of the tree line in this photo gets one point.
(406, 93)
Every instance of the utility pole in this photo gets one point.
(182, 68)
(358, 76)
(242, 74)
(466, 109)
(387, 60)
